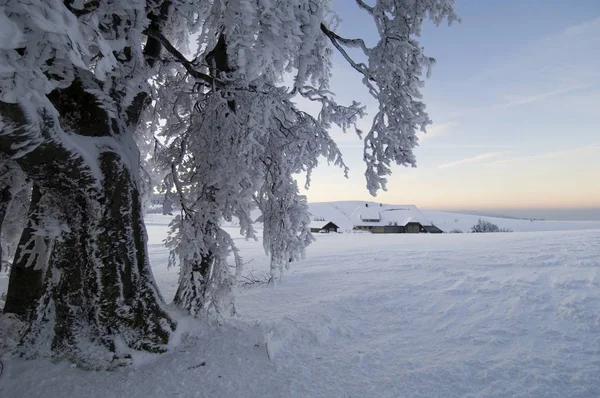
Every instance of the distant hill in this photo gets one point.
(341, 213)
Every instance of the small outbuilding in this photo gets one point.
(323, 227)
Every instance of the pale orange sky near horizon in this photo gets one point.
(564, 179)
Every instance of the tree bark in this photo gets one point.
(25, 283)
(5, 199)
(99, 299)
(192, 284)
(100, 287)
(99, 290)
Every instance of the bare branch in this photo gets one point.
(189, 67)
(365, 6)
(359, 43)
(359, 67)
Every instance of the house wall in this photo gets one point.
(410, 228)
(413, 228)
(381, 229)
(372, 229)
(330, 227)
(393, 229)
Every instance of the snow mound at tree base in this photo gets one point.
(11, 330)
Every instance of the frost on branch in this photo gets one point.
(392, 73)
(228, 163)
(234, 138)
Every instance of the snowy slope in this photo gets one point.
(448, 221)
(448, 315)
(341, 214)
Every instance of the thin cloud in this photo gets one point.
(558, 64)
(545, 95)
(582, 29)
(474, 159)
(550, 155)
(478, 146)
(527, 99)
(560, 47)
(436, 130)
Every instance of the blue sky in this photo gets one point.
(515, 100)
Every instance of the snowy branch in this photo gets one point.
(359, 67)
(365, 6)
(188, 65)
(88, 8)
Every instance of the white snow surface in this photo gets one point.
(398, 315)
(10, 34)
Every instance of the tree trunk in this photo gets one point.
(100, 287)
(194, 274)
(5, 199)
(192, 284)
(25, 284)
(100, 300)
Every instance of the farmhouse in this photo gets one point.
(388, 219)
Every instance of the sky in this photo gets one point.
(515, 103)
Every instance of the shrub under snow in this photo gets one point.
(486, 226)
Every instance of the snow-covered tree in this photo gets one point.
(244, 138)
(73, 83)
(82, 80)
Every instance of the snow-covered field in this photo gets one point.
(452, 315)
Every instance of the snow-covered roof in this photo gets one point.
(389, 215)
(347, 214)
(370, 213)
(413, 219)
(321, 224)
(317, 224)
